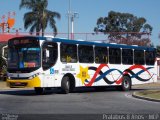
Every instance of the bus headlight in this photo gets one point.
(33, 76)
(30, 77)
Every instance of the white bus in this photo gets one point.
(42, 62)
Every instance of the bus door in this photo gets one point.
(49, 58)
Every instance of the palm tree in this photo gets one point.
(39, 17)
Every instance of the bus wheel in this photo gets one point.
(65, 85)
(39, 90)
(126, 83)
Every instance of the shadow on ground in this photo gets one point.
(31, 92)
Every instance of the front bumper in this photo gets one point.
(35, 82)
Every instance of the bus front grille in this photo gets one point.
(19, 78)
(18, 84)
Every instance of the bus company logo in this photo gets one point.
(68, 68)
(99, 74)
(52, 71)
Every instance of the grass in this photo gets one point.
(154, 94)
(148, 85)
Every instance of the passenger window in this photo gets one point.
(139, 57)
(150, 57)
(68, 53)
(127, 56)
(101, 55)
(49, 55)
(85, 54)
(115, 55)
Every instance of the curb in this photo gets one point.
(144, 98)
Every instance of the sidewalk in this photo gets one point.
(3, 85)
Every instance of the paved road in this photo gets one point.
(86, 101)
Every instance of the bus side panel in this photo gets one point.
(47, 79)
(63, 69)
(86, 74)
(145, 76)
(108, 74)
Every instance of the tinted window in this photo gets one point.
(101, 55)
(85, 54)
(114, 55)
(127, 56)
(139, 57)
(49, 54)
(68, 53)
(24, 54)
(150, 57)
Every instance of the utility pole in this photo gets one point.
(71, 16)
(69, 12)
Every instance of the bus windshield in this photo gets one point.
(24, 54)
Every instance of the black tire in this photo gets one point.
(126, 83)
(39, 90)
(65, 85)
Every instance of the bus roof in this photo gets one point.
(103, 44)
(83, 42)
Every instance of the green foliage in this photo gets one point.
(122, 22)
(3, 64)
(117, 23)
(2, 61)
(39, 17)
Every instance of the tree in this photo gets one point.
(39, 17)
(123, 28)
(3, 63)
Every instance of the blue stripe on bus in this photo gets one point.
(94, 43)
(102, 44)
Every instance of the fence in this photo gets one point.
(130, 38)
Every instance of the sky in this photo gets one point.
(89, 11)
